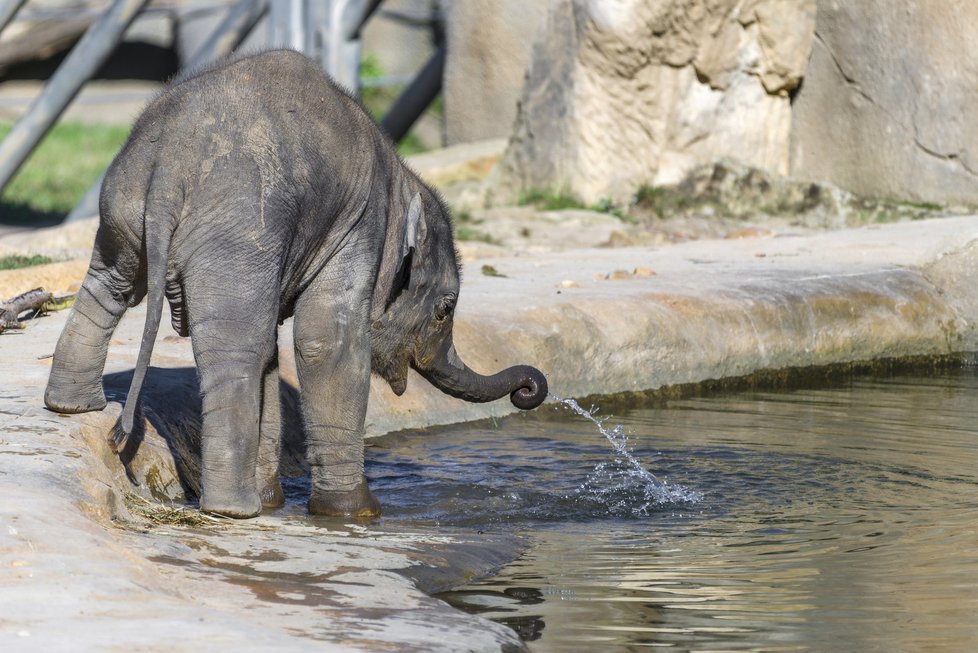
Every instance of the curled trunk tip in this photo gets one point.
(532, 388)
(525, 385)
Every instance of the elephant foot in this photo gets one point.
(358, 502)
(74, 397)
(271, 494)
(240, 505)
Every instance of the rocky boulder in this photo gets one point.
(887, 105)
(489, 47)
(624, 93)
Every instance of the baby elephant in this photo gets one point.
(249, 192)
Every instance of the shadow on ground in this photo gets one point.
(169, 417)
(16, 214)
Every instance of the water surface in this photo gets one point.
(836, 519)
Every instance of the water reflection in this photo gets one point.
(831, 519)
(500, 603)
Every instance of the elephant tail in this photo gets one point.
(158, 233)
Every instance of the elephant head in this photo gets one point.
(414, 306)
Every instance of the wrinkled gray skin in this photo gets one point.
(247, 193)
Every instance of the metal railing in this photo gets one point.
(328, 31)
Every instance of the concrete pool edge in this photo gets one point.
(713, 309)
(710, 310)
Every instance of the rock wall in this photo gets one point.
(872, 96)
(887, 106)
(489, 47)
(625, 92)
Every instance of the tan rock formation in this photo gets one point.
(887, 105)
(489, 47)
(621, 93)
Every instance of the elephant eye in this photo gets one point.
(445, 307)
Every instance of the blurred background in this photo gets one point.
(839, 113)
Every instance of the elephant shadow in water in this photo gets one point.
(166, 435)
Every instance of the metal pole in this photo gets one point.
(287, 24)
(9, 9)
(83, 61)
(354, 21)
(338, 44)
(315, 14)
(416, 97)
(238, 22)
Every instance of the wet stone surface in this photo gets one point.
(329, 582)
(84, 558)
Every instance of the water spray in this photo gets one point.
(655, 491)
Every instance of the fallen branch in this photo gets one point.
(36, 300)
(10, 310)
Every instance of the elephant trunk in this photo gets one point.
(526, 386)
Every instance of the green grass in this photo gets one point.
(606, 205)
(470, 234)
(17, 261)
(465, 229)
(550, 200)
(69, 160)
(664, 202)
(411, 144)
(923, 206)
(652, 198)
(649, 195)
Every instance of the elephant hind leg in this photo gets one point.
(75, 383)
(234, 344)
(270, 440)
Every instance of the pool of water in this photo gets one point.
(832, 519)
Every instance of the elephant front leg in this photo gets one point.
(75, 383)
(333, 363)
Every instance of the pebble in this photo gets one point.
(619, 275)
(749, 232)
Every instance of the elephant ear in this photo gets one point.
(414, 214)
(395, 273)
